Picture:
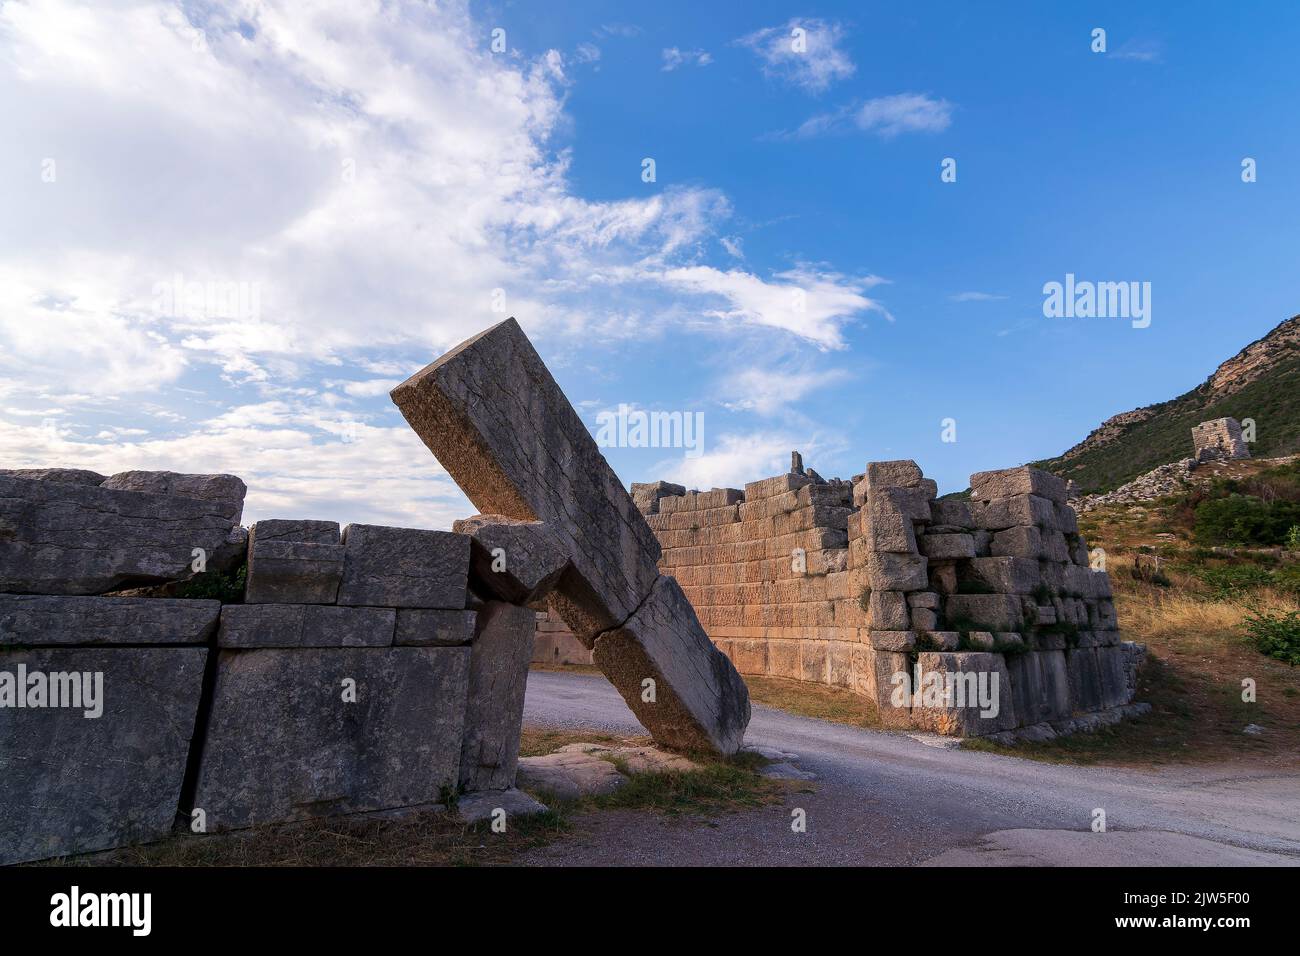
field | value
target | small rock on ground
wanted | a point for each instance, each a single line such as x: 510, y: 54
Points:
x: 483, y: 804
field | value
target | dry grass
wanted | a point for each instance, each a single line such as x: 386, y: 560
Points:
x: 814, y: 700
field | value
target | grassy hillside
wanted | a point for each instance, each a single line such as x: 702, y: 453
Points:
x: 1262, y: 382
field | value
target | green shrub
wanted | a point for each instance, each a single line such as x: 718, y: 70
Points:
x: 1245, y: 519
x: 1293, y: 538
x: 1230, y: 581
x: 1276, y: 635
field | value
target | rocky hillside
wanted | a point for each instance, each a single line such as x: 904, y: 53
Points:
x: 1261, y: 382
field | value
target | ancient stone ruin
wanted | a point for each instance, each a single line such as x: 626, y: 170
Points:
x: 363, y: 669
x: 874, y: 584
x: 1219, y: 440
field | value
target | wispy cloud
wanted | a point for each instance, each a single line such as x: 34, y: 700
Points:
x: 976, y: 297
x: 1141, y: 51
x: 884, y: 116
x: 807, y: 54
x: 674, y: 57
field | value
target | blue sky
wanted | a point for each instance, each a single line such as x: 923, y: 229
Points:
x: 383, y: 181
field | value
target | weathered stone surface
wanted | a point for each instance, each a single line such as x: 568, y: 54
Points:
x: 516, y: 561
x: 1004, y: 575
x: 430, y: 627
x: 946, y: 547
x: 923, y: 599
x: 897, y: 572
x: 495, y: 418
x: 226, y: 490
x: 67, y: 476
x: 497, y: 421
x: 646, y: 495
x: 1040, y: 686
x: 498, y: 674
x: 58, y: 538
x: 952, y: 512
x: 305, y: 625
x: 1009, y: 512
x: 284, y: 744
x: 892, y: 672
x: 294, y: 562
x: 981, y: 701
x: 700, y: 700
x: 887, y: 611
x: 887, y: 530
x: 570, y: 774
x: 886, y: 474
x: 1006, y: 482
x: 924, y: 619
x: 38, y: 620
x: 992, y: 612
x: 944, y: 640
x: 912, y: 503
x: 403, y: 567
x: 72, y: 784
x: 489, y: 804
x: 900, y: 641
x: 1098, y: 677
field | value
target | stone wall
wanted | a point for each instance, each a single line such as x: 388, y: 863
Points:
x: 362, y: 671
x: 863, y: 585
x: 1220, y: 439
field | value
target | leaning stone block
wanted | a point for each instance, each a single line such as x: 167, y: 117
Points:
x: 73, y: 784
x: 58, y: 538
x: 295, y: 734
x: 429, y: 627
x: 696, y: 696
x: 36, y: 620
x: 1006, y: 482
x: 305, y: 625
x: 497, y: 421
x: 498, y: 674
x: 294, y: 562
x: 495, y: 418
x: 403, y: 567
x: 516, y: 561
x: 965, y: 694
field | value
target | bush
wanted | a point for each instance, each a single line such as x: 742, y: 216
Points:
x: 1245, y: 520
x: 1276, y: 635
x: 228, y: 588
x: 1293, y: 538
x: 1230, y: 581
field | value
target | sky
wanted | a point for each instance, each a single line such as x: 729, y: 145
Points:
x: 228, y: 229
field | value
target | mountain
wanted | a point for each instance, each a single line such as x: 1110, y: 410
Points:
x: 1261, y: 382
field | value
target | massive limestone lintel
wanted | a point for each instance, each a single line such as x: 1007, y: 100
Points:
x: 491, y: 413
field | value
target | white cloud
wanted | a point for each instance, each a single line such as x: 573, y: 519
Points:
x: 674, y: 57
x: 734, y: 245
x: 735, y: 458
x: 811, y: 62
x: 976, y: 297
x: 885, y: 116
x: 768, y: 391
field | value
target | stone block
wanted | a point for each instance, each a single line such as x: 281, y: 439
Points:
x: 1008, y: 482
x: 991, y: 612
x: 295, y: 734
x: 66, y: 476
x: 699, y: 699
x: 886, y: 530
x: 403, y: 567
x: 40, y: 620
x: 887, y: 611
x: 430, y: 627
x: 1040, y: 686
x: 897, y: 572
x: 924, y: 619
x: 305, y: 625
x: 946, y: 547
x: 74, y: 784
x: 516, y: 561
x: 951, y: 512
x: 943, y: 640
x: 226, y: 490
x: 1004, y: 513
x: 58, y: 538
x: 294, y: 562
x: 1004, y: 575
x: 923, y: 599
x: 646, y: 496
x: 966, y: 694
x: 900, y: 641
x: 498, y: 674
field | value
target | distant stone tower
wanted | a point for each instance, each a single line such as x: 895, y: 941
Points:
x: 1219, y: 439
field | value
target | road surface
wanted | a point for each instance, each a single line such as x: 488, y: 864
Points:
x: 888, y: 799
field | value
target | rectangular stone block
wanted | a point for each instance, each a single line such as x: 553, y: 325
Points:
x: 428, y: 627
x: 1004, y: 575
x: 952, y: 512
x: 887, y: 611
x: 498, y: 674
x: 294, y: 562
x: 58, y: 538
x: 776, y: 485
x: 976, y: 697
x: 1007, y: 482
x: 991, y: 612
x: 295, y: 734
x: 1040, y: 685
x: 897, y: 572
x: 404, y: 567
x: 946, y: 547
x: 74, y: 784
x: 698, y: 694
x: 891, y: 670
x: 900, y: 641
x: 305, y: 625
x: 887, y: 531
x: 1009, y: 512
x: 40, y: 620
